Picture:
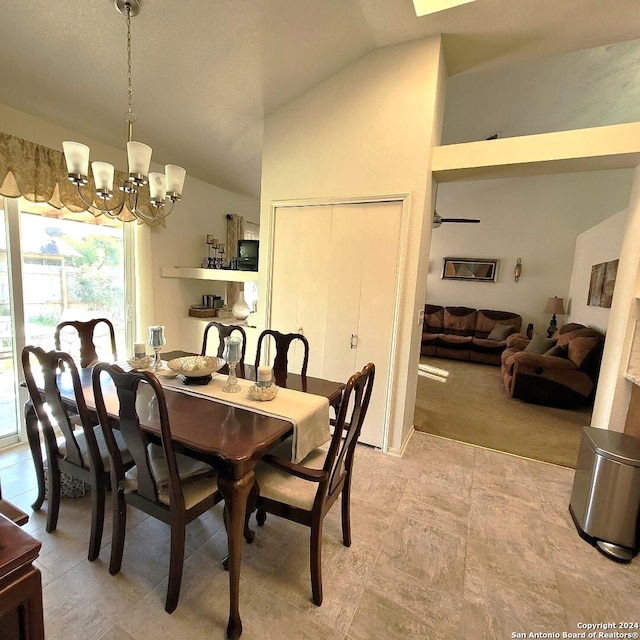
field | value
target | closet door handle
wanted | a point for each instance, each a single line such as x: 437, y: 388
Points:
x: 354, y: 340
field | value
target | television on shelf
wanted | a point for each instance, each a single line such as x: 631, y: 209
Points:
x: 248, y: 255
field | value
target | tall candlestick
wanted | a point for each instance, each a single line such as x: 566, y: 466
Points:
x: 157, y: 341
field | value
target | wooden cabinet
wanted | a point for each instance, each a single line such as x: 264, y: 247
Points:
x: 335, y: 275
x: 21, y: 615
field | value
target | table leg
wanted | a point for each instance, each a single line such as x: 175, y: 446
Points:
x: 33, y: 436
x: 235, y: 494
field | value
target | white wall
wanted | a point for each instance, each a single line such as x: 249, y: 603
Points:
x: 612, y: 396
x: 535, y: 218
x: 182, y: 243
x: 367, y: 131
x: 601, y: 243
x: 201, y: 211
x: 576, y: 90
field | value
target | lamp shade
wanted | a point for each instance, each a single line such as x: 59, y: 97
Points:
x: 139, y: 156
x: 157, y: 186
x: 103, y: 175
x: 76, y: 155
x: 555, y: 305
x: 175, y: 178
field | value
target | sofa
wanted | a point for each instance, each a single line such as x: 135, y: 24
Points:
x: 464, y: 333
x: 557, y: 372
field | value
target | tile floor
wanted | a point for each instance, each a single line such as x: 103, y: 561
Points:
x: 449, y: 542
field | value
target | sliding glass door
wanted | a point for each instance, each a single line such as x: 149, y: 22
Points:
x: 55, y: 265
x: 8, y: 399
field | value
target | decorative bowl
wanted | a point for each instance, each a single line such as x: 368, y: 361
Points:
x: 263, y: 393
x: 196, y: 366
x: 140, y: 363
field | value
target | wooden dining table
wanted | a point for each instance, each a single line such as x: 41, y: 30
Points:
x: 231, y: 439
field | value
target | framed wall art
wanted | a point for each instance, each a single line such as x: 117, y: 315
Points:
x: 472, y: 269
x: 602, y: 283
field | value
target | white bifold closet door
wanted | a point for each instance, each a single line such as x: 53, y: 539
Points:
x: 335, y: 274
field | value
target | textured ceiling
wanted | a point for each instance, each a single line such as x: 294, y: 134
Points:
x: 207, y: 71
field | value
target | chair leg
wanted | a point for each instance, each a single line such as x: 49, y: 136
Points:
x: 97, y: 517
x: 346, y: 514
x: 261, y: 517
x: 54, y: 496
x: 119, y: 527
x: 252, y: 500
x: 176, y: 564
x: 315, y: 557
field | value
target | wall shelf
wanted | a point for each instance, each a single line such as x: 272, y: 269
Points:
x: 221, y: 275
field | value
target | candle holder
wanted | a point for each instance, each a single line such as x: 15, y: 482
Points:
x: 157, y: 340
x: 209, y: 262
x: 232, y: 354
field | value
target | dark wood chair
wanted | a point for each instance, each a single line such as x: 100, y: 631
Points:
x: 81, y: 452
x: 305, y: 492
x: 86, y: 333
x: 167, y: 485
x: 283, y: 342
x: 224, y: 331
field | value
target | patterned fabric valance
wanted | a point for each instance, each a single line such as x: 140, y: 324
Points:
x: 39, y: 174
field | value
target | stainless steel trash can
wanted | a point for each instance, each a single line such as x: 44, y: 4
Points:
x: 605, y: 499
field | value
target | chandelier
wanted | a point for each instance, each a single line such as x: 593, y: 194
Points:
x: 162, y: 186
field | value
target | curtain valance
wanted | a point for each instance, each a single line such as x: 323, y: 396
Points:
x: 39, y: 174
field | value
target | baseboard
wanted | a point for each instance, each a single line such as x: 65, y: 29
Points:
x: 392, y: 451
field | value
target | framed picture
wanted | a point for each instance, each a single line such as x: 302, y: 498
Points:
x: 602, y: 283
x: 474, y: 269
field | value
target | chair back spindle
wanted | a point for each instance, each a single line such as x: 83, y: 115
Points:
x: 354, y: 405
x: 86, y: 331
x: 50, y: 363
x: 224, y: 331
x: 282, y: 342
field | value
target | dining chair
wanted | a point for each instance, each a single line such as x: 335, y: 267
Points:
x: 224, y: 331
x: 282, y: 343
x: 305, y: 492
x: 86, y: 331
x: 81, y: 452
x: 167, y: 485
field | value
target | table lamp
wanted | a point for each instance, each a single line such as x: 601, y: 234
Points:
x: 554, y: 305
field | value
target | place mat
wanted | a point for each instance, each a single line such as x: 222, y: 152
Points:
x: 307, y: 412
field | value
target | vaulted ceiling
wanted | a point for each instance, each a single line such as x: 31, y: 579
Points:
x: 207, y: 71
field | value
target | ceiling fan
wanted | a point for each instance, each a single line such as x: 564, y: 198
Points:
x: 438, y: 220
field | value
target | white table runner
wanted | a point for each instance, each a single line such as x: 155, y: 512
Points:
x: 308, y: 413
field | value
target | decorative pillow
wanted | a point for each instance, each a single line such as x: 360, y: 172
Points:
x: 70, y: 487
x: 500, y: 332
x: 559, y: 351
x: 540, y: 344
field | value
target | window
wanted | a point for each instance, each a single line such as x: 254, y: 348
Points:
x: 55, y: 265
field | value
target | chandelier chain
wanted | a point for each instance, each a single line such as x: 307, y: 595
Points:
x: 131, y: 115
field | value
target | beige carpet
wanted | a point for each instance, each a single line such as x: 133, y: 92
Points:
x: 473, y: 406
